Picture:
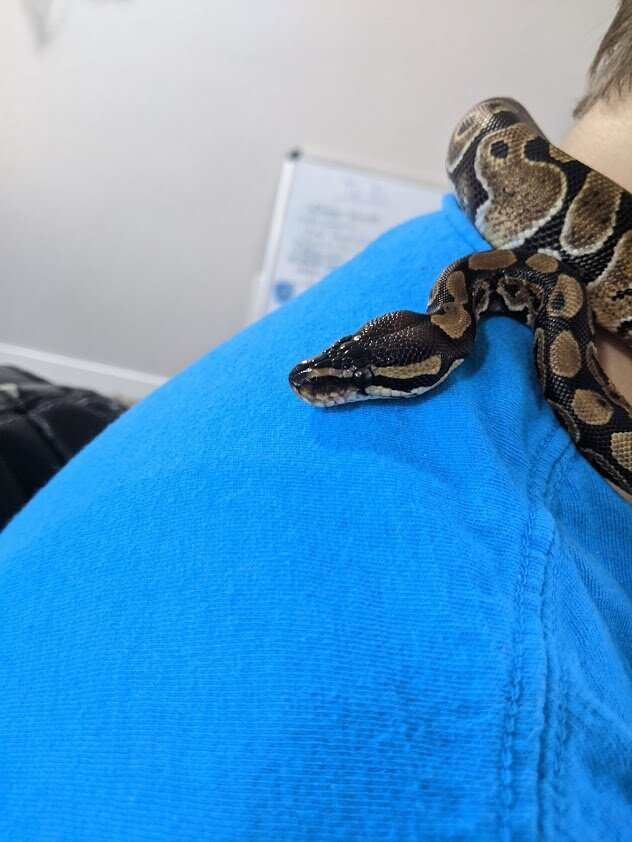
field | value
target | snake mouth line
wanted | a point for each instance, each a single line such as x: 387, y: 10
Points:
x: 321, y: 387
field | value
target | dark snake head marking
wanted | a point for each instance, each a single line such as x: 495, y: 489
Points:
x: 340, y: 374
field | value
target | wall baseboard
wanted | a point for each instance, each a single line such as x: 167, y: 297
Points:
x: 110, y: 380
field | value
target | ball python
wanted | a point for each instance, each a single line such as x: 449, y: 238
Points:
x: 561, y: 262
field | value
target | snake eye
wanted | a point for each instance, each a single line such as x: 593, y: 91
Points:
x: 362, y: 378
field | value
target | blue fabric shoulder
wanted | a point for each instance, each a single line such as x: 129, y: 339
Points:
x: 234, y: 616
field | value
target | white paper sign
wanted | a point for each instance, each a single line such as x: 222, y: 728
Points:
x: 324, y: 214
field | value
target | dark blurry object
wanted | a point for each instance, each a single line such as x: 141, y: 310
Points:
x: 46, y: 17
x: 42, y: 426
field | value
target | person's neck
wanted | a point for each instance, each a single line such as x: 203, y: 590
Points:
x: 601, y: 139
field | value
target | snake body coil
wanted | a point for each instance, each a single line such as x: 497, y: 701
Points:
x: 562, y: 261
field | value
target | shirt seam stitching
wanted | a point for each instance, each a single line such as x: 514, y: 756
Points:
x: 527, y: 554
x: 554, y: 719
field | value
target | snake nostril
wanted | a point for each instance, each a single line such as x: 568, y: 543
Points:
x: 298, y: 376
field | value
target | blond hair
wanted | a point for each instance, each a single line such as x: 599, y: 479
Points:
x: 610, y: 74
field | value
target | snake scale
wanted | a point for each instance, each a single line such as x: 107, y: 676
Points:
x: 561, y: 262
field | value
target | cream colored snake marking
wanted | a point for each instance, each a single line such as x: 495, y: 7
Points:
x: 562, y: 261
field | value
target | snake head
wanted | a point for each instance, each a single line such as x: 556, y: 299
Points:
x: 341, y: 374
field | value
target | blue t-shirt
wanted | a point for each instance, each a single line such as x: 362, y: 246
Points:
x: 235, y: 616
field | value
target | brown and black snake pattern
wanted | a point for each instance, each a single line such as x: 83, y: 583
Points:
x: 562, y: 261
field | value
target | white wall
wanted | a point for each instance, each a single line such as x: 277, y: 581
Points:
x: 140, y: 149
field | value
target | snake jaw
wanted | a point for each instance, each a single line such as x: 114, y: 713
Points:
x: 323, y: 386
